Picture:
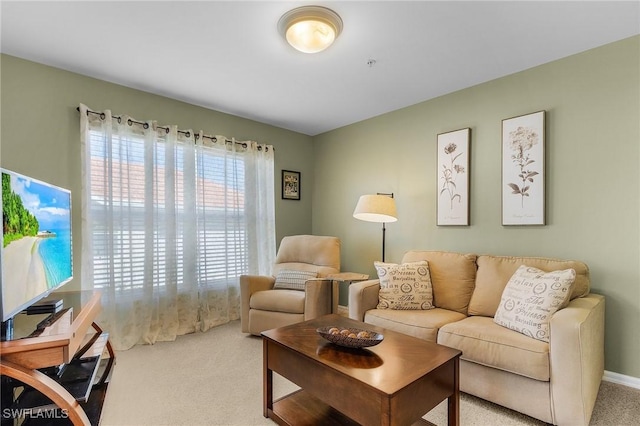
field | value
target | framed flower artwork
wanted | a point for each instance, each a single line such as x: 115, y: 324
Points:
x: 453, y: 177
x: 523, y: 173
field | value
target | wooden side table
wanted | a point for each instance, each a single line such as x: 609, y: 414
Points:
x: 338, y: 280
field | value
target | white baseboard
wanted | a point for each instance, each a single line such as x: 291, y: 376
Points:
x: 621, y: 379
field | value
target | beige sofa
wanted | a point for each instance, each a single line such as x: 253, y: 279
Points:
x: 556, y: 382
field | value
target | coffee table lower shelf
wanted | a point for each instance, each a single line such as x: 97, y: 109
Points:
x: 302, y: 408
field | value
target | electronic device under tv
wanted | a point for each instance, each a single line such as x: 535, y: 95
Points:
x: 37, y: 252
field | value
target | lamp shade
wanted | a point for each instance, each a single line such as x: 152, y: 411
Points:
x: 376, y: 208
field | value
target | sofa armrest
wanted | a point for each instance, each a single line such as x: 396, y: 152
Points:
x: 250, y: 284
x: 363, y: 296
x: 576, y: 350
x: 318, y: 299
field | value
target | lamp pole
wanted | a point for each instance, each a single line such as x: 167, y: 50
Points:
x: 384, y: 230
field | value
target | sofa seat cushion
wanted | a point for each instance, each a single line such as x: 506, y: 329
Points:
x: 417, y: 323
x: 288, y: 301
x: 484, y: 342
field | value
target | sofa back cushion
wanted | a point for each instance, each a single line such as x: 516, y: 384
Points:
x: 495, y: 271
x: 453, y: 277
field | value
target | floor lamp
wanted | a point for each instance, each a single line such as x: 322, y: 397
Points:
x: 377, y: 208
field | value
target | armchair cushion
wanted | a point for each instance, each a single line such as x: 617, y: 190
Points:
x: 289, y: 301
x: 293, y: 280
x: 309, y: 253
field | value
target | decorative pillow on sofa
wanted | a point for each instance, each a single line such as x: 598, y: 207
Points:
x: 531, y: 297
x: 293, y: 280
x: 404, y: 286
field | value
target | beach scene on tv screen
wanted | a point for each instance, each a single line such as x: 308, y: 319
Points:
x: 36, y: 238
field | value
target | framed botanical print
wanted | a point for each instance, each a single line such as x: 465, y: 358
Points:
x: 453, y: 177
x: 290, y: 185
x: 523, y: 170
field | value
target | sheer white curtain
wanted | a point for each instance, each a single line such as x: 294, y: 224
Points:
x: 171, y: 219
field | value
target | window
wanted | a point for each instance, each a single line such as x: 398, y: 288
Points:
x: 170, y: 222
x: 152, y: 205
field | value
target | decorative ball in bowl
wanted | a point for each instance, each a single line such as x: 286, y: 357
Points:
x: 350, y: 337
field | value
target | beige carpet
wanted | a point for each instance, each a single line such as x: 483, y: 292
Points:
x: 215, y: 378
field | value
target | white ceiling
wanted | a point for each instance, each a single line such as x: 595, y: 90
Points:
x: 228, y: 55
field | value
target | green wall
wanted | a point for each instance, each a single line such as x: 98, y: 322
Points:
x: 592, y: 157
x: 40, y: 134
x: 592, y: 102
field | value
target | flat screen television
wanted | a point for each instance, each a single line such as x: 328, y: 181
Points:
x: 37, y: 253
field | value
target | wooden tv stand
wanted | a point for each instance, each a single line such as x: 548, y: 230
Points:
x: 59, y: 361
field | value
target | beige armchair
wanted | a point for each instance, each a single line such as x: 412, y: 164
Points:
x: 265, y: 307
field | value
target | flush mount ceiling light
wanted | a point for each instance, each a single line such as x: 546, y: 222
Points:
x: 310, y: 29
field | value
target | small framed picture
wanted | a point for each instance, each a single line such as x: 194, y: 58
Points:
x: 453, y: 177
x: 523, y: 176
x: 290, y: 185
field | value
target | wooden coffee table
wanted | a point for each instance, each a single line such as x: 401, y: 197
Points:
x: 393, y: 383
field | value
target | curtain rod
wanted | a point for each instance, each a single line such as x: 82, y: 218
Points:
x: 184, y: 132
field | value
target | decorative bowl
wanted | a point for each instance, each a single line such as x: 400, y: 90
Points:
x: 345, y: 336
